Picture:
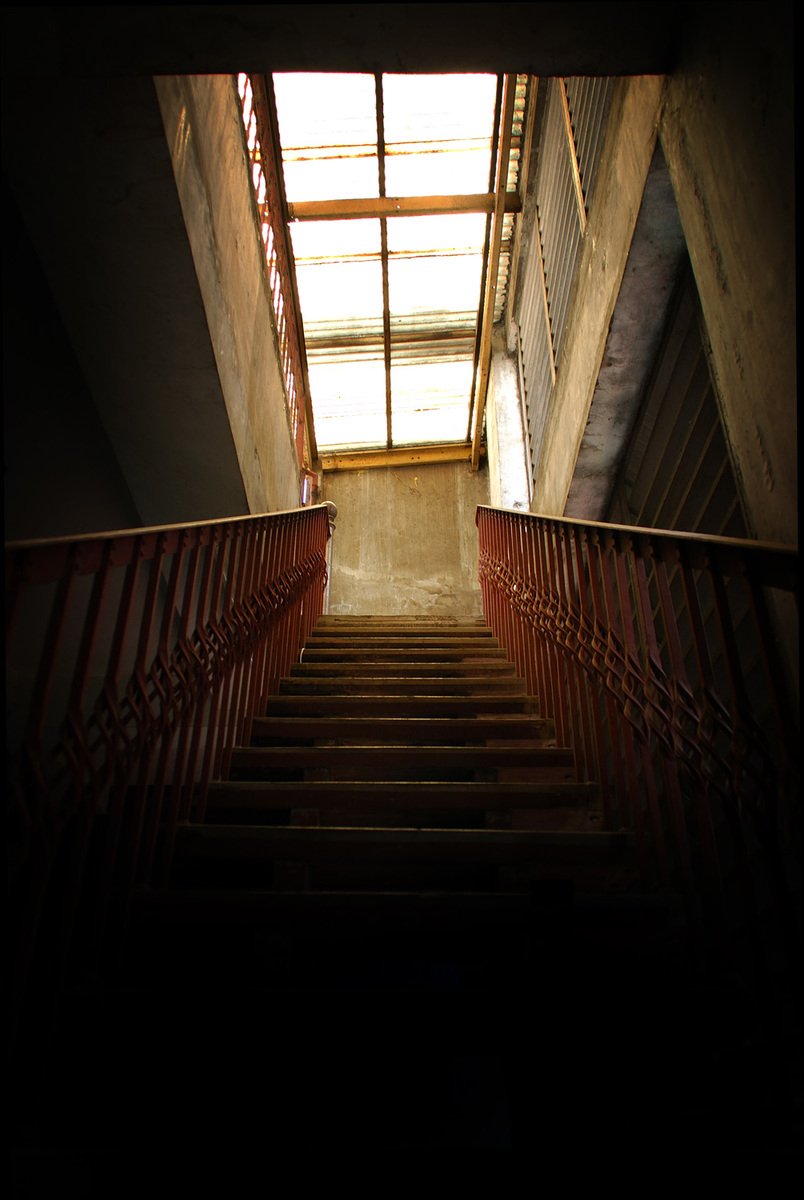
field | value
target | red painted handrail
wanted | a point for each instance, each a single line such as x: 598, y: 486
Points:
x: 136, y: 661
x: 661, y: 658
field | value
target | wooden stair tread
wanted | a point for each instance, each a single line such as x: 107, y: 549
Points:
x: 399, y: 670
x: 241, y: 795
x: 370, y: 756
x: 418, y: 685
x: 326, y: 647
x: 337, y: 841
x: 401, y: 705
x: 410, y: 728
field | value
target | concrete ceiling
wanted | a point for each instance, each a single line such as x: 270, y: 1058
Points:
x: 542, y: 39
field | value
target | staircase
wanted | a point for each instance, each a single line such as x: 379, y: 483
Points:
x: 402, y: 922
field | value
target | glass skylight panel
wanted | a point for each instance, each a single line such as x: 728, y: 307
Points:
x: 349, y: 404
x: 441, y: 285
x: 436, y: 235
x: 438, y: 133
x: 430, y: 402
x: 328, y: 130
x: 339, y: 277
x: 344, y: 295
x: 330, y: 241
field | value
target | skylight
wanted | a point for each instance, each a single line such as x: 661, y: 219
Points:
x: 390, y: 294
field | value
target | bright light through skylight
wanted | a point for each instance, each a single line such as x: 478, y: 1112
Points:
x: 438, y: 134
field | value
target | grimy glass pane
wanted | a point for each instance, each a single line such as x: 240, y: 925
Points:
x: 328, y: 131
x: 430, y: 402
x: 344, y: 293
x: 443, y: 284
x: 438, y: 133
x: 437, y: 235
x: 349, y: 404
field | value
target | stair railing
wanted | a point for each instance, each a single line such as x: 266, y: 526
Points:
x: 663, y: 659
x: 136, y: 661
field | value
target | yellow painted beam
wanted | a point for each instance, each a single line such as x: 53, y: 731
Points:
x: 400, y: 456
x: 573, y: 153
x: 398, y: 206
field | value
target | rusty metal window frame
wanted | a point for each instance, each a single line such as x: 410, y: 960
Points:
x: 259, y: 126
x: 498, y: 204
x: 573, y: 119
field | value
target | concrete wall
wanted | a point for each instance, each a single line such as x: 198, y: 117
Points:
x: 727, y: 131
x: 508, y: 466
x: 61, y: 475
x: 627, y: 152
x: 104, y: 219
x: 405, y: 539
x: 203, y: 129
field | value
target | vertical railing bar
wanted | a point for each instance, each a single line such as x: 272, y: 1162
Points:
x: 259, y: 618
x: 558, y: 567
x: 587, y: 619
x: 543, y: 599
x: 219, y: 545
x: 118, y: 744
x: 655, y: 677
x: 619, y: 597
x: 162, y: 676
x: 199, y: 644
x: 237, y: 619
x: 608, y: 609
x: 139, y: 686
x: 50, y: 650
x: 559, y: 689
x: 187, y: 701
x: 249, y: 628
x: 583, y: 692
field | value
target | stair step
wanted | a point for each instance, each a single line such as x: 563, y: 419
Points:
x: 328, y: 704
x: 445, y: 730
x: 551, y: 901
x: 400, y: 670
x: 325, y: 843
x: 381, y: 758
x: 354, y: 647
x: 262, y: 795
x: 398, y: 627
x: 475, y: 686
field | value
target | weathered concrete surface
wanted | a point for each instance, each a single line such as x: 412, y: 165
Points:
x: 103, y: 216
x: 625, y: 160
x: 505, y: 434
x: 651, y: 271
x: 61, y: 475
x: 727, y: 130
x: 203, y: 129
x: 405, y: 539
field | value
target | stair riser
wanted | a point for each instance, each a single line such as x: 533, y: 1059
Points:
x: 372, y: 797
x: 391, y: 648
x: 400, y: 706
x: 381, y: 758
x: 410, y: 730
x: 469, y: 686
x: 398, y: 670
